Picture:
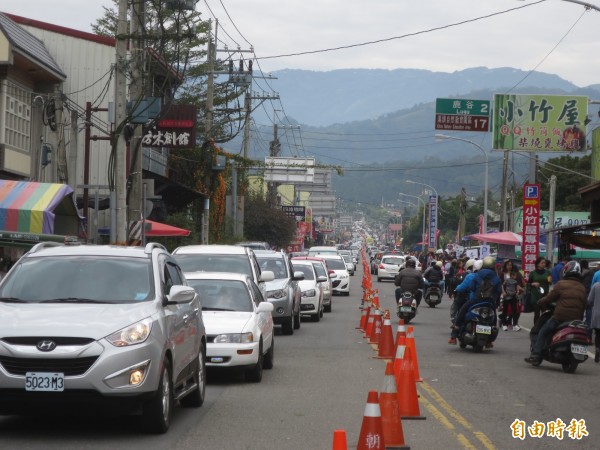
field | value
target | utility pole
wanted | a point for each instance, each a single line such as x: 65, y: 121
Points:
x: 274, y: 149
x: 136, y: 93
x: 550, y: 242
x: 119, y: 147
x: 504, y: 191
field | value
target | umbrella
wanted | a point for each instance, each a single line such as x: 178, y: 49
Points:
x: 162, y: 229
x: 502, y: 237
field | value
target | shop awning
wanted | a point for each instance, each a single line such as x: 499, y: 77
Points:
x: 155, y: 229
x: 502, y: 237
x: 39, y: 208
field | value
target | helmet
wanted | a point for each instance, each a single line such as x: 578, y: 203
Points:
x: 477, y: 265
x: 572, y: 268
x: 439, y: 264
x: 489, y: 262
x: 410, y: 263
x: 469, y: 264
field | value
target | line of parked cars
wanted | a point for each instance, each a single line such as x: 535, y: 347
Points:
x: 135, y: 328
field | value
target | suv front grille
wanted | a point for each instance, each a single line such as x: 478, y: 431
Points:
x: 68, y: 366
x: 33, y: 340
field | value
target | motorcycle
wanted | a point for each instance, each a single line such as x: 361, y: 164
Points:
x: 433, y: 295
x: 480, y: 326
x: 567, y: 346
x: 407, y: 307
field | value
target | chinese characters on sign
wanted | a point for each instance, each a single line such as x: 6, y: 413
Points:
x: 556, y: 429
x: 462, y: 114
x: 539, y: 122
x: 303, y: 226
x: 531, y: 227
x: 432, y: 222
x: 176, y: 128
x: 156, y: 138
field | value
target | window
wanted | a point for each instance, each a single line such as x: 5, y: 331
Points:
x: 17, y: 117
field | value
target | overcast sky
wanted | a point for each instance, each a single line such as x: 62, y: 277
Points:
x: 524, y: 38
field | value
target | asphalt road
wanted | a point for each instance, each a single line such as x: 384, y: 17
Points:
x: 320, y: 382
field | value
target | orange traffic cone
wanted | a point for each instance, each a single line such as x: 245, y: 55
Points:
x: 410, y: 343
x: 400, y: 354
x: 407, y: 388
x: 374, y: 338
x: 401, y: 331
x: 393, y: 434
x: 370, y: 320
x: 363, y: 319
x: 339, y: 440
x: 371, y: 431
x: 386, y: 340
x: 376, y: 298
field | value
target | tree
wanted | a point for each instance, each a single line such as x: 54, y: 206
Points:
x: 572, y: 173
x: 263, y: 223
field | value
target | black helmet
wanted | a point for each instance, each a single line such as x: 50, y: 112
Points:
x: 410, y: 263
x: 572, y: 268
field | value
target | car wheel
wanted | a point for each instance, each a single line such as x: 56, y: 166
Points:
x: 195, y: 398
x: 316, y: 317
x: 270, y: 356
x: 328, y: 307
x: 254, y: 374
x: 321, y: 311
x: 298, y: 321
x: 157, y: 412
x: 288, y: 326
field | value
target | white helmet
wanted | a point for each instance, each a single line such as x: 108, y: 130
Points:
x: 469, y: 263
x: 477, y: 265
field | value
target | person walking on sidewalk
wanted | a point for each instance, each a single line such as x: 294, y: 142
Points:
x: 510, y: 301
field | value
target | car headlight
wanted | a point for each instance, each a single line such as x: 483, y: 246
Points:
x: 234, y: 338
x: 280, y: 293
x: 309, y: 293
x: 131, y: 335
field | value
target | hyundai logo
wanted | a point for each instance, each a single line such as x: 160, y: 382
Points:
x: 46, y: 345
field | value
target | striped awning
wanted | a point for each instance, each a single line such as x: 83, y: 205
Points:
x: 31, y: 207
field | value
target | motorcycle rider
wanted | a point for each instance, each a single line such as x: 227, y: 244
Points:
x: 571, y: 300
x: 483, y: 270
x: 409, y: 279
x: 461, y: 298
x: 434, y: 275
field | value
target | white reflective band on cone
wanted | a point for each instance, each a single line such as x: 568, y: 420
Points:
x: 389, y: 385
x: 372, y: 410
x: 400, y: 351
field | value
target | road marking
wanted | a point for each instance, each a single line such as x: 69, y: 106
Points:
x: 456, y: 415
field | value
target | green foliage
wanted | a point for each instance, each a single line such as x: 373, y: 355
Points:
x: 567, y: 182
x: 264, y: 223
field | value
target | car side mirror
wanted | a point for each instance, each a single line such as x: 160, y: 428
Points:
x: 264, y: 307
x: 322, y: 279
x: 267, y: 275
x: 298, y: 276
x: 180, y: 294
x: 332, y: 274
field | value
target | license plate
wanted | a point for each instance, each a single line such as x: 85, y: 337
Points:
x: 579, y: 349
x: 44, y: 381
x: 433, y: 297
x: 405, y: 309
x: 483, y: 329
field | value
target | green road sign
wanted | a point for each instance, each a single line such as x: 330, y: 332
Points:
x: 459, y: 114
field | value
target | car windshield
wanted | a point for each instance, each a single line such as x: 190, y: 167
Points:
x: 396, y: 260
x: 336, y: 264
x: 89, y: 279
x: 308, y: 272
x: 214, y: 263
x: 347, y: 258
x: 222, y: 295
x: 319, y: 269
x: 275, y: 265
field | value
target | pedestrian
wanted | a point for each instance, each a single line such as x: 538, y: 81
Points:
x: 510, y: 300
x: 594, y: 303
x: 538, y: 284
x: 558, y: 269
x: 586, y: 279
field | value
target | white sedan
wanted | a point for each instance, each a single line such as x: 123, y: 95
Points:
x: 389, y: 266
x: 238, y: 322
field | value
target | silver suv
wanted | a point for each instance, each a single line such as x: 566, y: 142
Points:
x: 116, y: 326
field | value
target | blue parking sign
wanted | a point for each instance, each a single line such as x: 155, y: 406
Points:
x: 531, y: 191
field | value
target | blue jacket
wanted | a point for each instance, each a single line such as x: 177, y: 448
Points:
x: 473, y: 280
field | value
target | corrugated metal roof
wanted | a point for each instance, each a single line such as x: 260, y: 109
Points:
x: 29, y: 45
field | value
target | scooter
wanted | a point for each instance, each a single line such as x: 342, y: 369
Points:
x: 407, y: 307
x: 480, y: 326
x: 433, y: 295
x: 567, y: 346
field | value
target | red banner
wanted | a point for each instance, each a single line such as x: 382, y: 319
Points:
x: 531, y: 227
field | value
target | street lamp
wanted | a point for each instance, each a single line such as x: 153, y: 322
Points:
x: 423, y: 232
x: 436, y: 209
x: 485, y: 192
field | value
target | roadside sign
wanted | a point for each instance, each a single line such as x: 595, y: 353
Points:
x: 453, y: 114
